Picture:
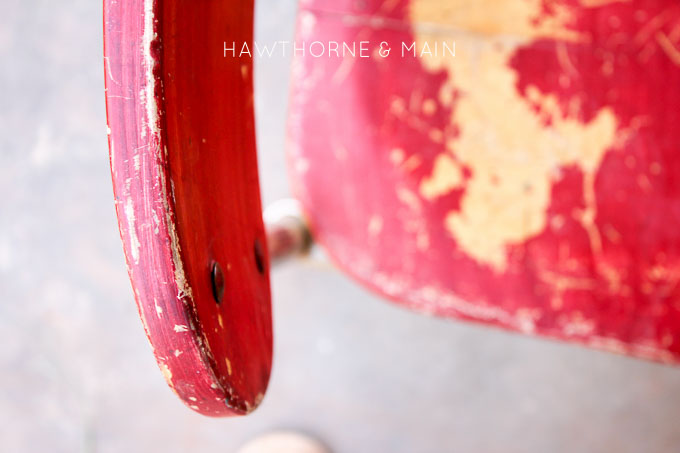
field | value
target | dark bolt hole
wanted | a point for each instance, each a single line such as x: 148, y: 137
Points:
x: 217, y: 277
x: 259, y: 256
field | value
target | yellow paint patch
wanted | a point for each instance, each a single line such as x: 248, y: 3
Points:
x: 598, y: 3
x: 497, y: 19
x: 513, y: 156
x: 446, y: 176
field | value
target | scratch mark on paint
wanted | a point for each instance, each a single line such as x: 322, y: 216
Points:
x: 668, y: 47
x: 159, y: 309
x: 132, y: 231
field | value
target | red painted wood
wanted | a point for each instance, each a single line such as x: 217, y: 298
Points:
x: 555, y: 212
x: 184, y: 169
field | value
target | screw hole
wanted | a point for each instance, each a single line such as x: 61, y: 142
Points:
x: 218, y: 283
x: 259, y: 256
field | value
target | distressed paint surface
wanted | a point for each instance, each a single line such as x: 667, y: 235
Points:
x: 184, y: 172
x: 529, y: 182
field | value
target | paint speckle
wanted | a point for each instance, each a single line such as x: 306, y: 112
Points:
x: 375, y: 225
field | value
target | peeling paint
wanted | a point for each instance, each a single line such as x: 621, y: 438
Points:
x: 132, y: 230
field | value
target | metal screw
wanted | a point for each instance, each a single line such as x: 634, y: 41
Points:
x: 259, y: 256
x: 218, y: 282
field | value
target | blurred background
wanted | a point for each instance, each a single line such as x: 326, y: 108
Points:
x: 77, y: 374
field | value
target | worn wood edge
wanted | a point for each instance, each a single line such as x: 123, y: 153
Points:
x: 421, y: 302
x: 139, y: 160
x: 458, y: 309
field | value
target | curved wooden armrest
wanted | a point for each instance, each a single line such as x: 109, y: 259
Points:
x: 184, y: 169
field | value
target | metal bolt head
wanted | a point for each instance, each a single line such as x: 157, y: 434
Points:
x: 258, y: 251
x: 218, y: 282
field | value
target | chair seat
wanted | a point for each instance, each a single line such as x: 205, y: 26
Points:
x: 528, y: 182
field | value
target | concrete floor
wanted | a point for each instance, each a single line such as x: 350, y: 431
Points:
x: 77, y: 375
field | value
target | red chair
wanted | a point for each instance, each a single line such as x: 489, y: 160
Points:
x: 512, y: 163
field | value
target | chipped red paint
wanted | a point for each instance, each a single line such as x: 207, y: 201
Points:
x: 184, y: 170
x: 621, y: 294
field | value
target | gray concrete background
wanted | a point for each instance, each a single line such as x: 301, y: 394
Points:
x: 76, y: 373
